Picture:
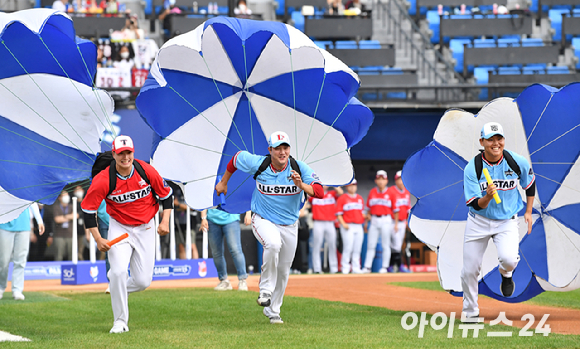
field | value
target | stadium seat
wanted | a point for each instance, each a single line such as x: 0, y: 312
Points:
x: 456, y: 46
x: 576, y: 44
x: 298, y: 19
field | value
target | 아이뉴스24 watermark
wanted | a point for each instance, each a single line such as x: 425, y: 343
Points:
x: 439, y: 320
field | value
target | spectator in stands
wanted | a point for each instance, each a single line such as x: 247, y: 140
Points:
x: 131, y: 30
x: 100, y: 57
x: 82, y: 244
x: 60, y: 5
x: 355, y: 4
x: 15, y: 240
x: 335, y: 7
x: 165, y: 17
x: 38, y: 240
x: 221, y: 224
x: 180, y: 211
x: 63, y: 218
x: 350, y: 207
x: 123, y: 59
x: 242, y: 8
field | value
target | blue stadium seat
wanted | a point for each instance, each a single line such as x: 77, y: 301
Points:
x: 369, y: 44
x: 434, y: 22
x: 481, y: 75
x: 558, y: 70
x: 346, y: 44
x: 324, y: 44
x: 555, y: 16
x: 148, y: 6
x: 298, y: 19
x: 532, y: 42
x: 576, y: 44
x: 456, y: 46
x: 280, y: 9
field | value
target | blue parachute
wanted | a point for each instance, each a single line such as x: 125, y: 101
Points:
x: 230, y: 83
x: 543, y: 125
x: 51, y: 118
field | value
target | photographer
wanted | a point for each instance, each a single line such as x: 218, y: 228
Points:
x: 131, y: 29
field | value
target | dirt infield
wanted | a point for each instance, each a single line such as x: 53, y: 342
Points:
x: 371, y: 290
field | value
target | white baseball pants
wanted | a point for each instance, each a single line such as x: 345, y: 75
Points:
x: 324, y: 231
x: 397, y: 236
x: 352, y: 240
x: 279, y: 242
x: 478, y: 231
x: 139, y: 250
x: 383, y: 226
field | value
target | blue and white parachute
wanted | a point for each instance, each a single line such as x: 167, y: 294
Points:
x: 543, y: 125
x: 51, y: 118
x: 227, y: 85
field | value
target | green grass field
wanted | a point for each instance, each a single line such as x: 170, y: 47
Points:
x: 203, y: 318
x: 553, y: 299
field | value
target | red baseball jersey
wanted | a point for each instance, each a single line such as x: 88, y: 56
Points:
x: 351, y: 208
x: 132, y: 202
x: 379, y: 204
x: 324, y: 209
x: 401, y: 200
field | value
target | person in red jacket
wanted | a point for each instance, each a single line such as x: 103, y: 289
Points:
x: 132, y: 206
x: 324, y: 215
x: 350, y: 208
x: 379, y: 214
x: 401, y: 199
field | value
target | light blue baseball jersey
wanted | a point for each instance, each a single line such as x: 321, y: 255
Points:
x: 506, y: 181
x: 275, y: 197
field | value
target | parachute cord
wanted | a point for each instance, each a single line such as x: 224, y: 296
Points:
x: 206, y: 119
x: 46, y: 146
x: 294, y: 104
x: 327, y: 157
x: 246, y: 87
x: 314, y: 116
x: 55, y: 195
x: 225, y: 105
x: 31, y: 78
x: 43, y: 184
x: 327, y: 130
x: 555, y: 139
x: 41, y: 165
x: 195, y: 146
x: 98, y: 97
x: 76, y: 88
x: 540, y: 118
x: 238, y: 187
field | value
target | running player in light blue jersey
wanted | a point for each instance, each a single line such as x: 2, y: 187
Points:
x: 487, y: 219
x: 276, y: 203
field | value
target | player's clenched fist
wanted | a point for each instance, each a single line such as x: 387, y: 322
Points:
x: 491, y: 190
x: 103, y: 245
x: 221, y: 187
x: 163, y: 228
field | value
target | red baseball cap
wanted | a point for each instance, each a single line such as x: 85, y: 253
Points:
x: 382, y: 174
x: 122, y: 143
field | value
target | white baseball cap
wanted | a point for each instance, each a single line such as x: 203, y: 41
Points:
x: 278, y: 138
x: 382, y: 174
x: 122, y: 143
x: 398, y: 174
x: 491, y: 129
x: 353, y: 182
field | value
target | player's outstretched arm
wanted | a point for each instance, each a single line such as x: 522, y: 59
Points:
x: 163, y: 228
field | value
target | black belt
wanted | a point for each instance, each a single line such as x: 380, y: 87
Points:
x: 382, y: 215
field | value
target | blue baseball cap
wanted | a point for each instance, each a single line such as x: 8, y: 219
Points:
x: 491, y: 129
x: 278, y: 138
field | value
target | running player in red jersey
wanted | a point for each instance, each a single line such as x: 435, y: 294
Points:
x: 132, y: 207
x: 401, y: 200
x: 324, y: 215
x: 379, y: 214
x: 350, y: 208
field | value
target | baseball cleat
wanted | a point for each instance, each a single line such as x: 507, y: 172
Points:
x: 507, y: 286
x: 242, y: 285
x: 1, y: 293
x: 470, y: 319
x: 404, y: 269
x: 224, y: 285
x: 18, y: 296
x: 383, y: 271
x: 119, y: 328
x: 108, y: 290
x: 276, y: 320
x: 366, y: 270
x: 264, y: 299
